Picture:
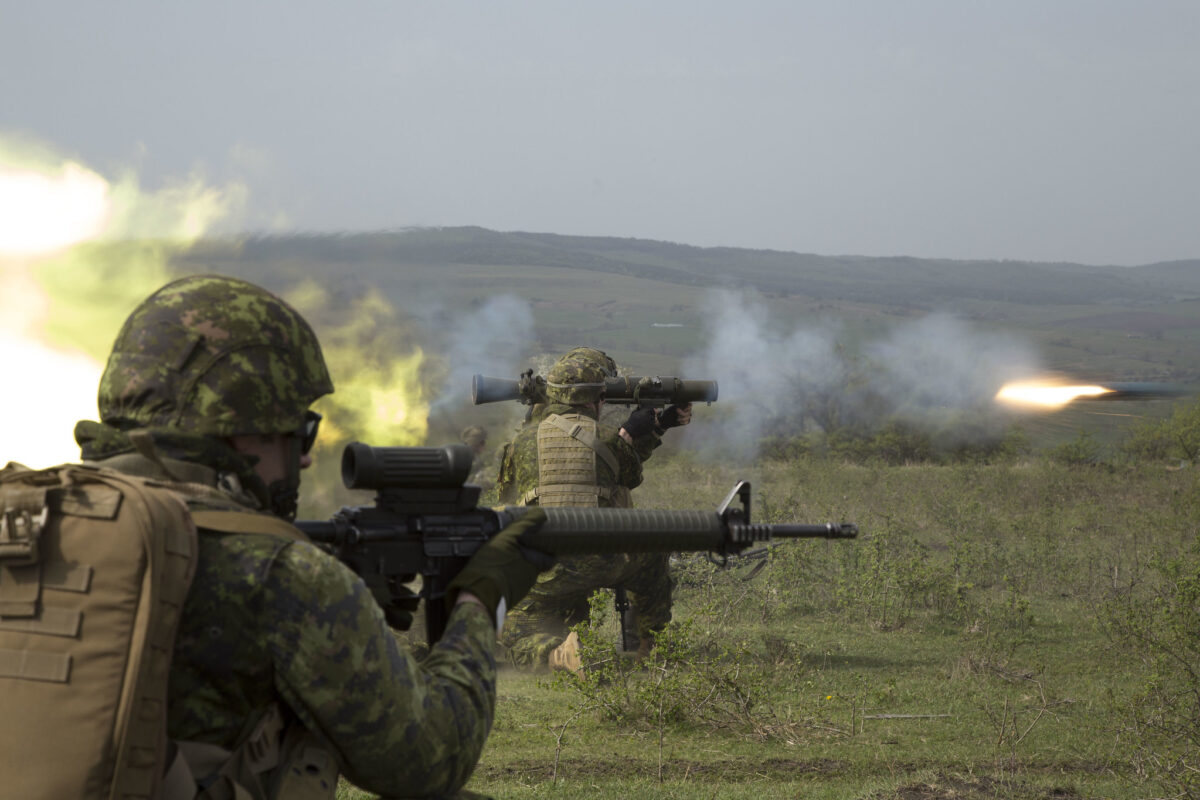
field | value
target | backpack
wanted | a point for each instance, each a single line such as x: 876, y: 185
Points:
x: 95, y: 566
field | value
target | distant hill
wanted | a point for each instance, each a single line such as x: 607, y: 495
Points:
x: 913, y: 282
x: 650, y: 304
x: 1133, y: 322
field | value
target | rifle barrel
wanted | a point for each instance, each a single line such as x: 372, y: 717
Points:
x: 580, y: 531
x: 830, y: 530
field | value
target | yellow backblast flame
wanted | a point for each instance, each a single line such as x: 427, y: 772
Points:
x: 77, y: 253
x: 42, y: 212
x: 380, y: 397
x: 1045, y: 394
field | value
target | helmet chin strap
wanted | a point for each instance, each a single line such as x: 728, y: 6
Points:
x: 283, y: 495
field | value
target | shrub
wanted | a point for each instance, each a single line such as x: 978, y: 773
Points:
x: 1158, y: 625
x: 1082, y: 450
x: 1176, y: 437
x: 895, y: 443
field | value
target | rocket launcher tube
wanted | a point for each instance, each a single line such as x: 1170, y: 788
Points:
x: 628, y: 390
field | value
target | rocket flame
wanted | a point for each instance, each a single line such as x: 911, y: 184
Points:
x: 1045, y: 394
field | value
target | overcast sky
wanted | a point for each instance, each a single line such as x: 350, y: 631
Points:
x: 1047, y: 130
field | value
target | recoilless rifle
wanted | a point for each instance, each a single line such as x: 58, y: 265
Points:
x: 426, y: 521
x: 654, y: 391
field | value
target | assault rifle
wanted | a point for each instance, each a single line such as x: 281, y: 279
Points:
x: 655, y: 391
x: 426, y: 521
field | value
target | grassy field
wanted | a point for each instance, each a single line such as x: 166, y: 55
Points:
x: 975, y: 641
x: 1025, y: 629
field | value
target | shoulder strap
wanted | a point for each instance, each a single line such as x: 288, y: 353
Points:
x: 585, y: 435
x: 230, y: 521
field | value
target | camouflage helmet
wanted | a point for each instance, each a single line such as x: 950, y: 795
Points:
x: 215, y: 356
x: 578, y: 377
x: 598, y: 357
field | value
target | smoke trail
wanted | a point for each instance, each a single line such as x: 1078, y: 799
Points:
x: 762, y: 372
x: 940, y: 362
x: 781, y: 381
x: 491, y: 339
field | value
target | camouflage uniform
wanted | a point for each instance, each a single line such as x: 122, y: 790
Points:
x: 272, y: 620
x: 483, y: 469
x: 560, y: 598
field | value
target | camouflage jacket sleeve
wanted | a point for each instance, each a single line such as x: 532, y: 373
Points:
x: 506, y: 477
x: 399, y: 727
x: 646, y: 444
x: 629, y: 456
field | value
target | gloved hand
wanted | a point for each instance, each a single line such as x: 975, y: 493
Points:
x: 641, y: 422
x: 503, y: 570
x: 399, y: 603
x: 674, y: 416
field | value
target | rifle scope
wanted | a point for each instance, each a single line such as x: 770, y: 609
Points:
x: 367, y: 467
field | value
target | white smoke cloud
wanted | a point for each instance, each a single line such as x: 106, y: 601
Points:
x: 778, y: 379
x: 759, y: 368
x: 492, y: 339
x: 941, y: 362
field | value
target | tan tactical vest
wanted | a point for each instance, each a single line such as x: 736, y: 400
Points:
x: 568, y: 452
x: 95, y: 566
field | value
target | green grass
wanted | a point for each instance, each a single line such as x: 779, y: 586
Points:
x: 985, y: 593
x: 955, y: 650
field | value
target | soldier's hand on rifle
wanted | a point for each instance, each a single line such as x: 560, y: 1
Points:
x: 399, y: 613
x: 503, y: 571
x: 673, y: 417
x: 640, y: 423
x: 397, y: 600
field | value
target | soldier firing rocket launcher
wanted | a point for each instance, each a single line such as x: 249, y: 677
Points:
x: 657, y: 392
x: 426, y: 522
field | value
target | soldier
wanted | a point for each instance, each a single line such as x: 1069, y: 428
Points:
x: 566, y: 457
x: 475, y: 437
x: 280, y: 646
x: 483, y: 470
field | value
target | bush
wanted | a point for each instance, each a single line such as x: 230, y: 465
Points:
x: 961, y: 439
x: 1158, y: 625
x: 1080, y: 451
x: 987, y: 448
x: 784, y: 448
x: 1176, y: 437
x: 896, y: 443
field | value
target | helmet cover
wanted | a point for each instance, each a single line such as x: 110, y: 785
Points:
x: 216, y: 356
x: 578, y: 377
